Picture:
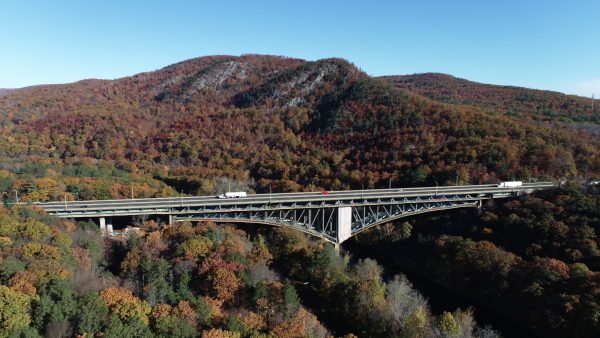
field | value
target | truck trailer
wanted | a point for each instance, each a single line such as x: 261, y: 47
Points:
x: 235, y: 194
x: 510, y: 184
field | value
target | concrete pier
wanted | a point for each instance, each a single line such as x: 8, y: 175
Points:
x: 106, y: 227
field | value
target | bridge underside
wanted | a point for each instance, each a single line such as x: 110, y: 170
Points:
x: 333, y: 223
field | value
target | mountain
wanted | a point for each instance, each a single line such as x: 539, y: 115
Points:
x: 267, y: 123
x: 4, y: 91
x: 540, y: 104
x: 287, y: 124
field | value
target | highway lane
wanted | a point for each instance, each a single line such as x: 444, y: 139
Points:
x: 188, y: 199
x: 175, y: 202
x: 273, y: 195
x: 316, y: 195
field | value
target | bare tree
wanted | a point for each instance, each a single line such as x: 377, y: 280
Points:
x: 59, y: 329
x: 226, y: 184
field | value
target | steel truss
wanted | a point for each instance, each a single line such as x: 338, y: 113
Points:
x: 321, y: 219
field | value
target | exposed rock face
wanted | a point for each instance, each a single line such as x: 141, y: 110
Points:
x: 304, y: 85
x: 216, y: 76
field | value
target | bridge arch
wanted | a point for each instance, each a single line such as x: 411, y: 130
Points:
x: 325, y: 223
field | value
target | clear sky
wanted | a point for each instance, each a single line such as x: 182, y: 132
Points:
x: 539, y: 44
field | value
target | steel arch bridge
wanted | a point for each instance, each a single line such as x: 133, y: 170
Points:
x: 333, y: 216
x: 333, y: 222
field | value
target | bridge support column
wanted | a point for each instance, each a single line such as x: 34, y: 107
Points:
x: 106, y: 227
x: 171, y: 220
x: 344, y: 224
x: 109, y: 227
x: 103, y: 226
x: 336, y: 247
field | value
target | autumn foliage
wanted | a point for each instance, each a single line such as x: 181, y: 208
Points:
x: 266, y: 123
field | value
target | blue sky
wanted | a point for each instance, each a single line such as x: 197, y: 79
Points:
x: 539, y: 44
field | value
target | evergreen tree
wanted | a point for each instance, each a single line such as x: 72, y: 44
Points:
x: 130, y: 328
x: 57, y: 302
x: 92, y: 313
x: 291, y: 301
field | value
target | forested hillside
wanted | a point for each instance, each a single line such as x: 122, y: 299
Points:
x: 263, y: 123
x: 4, y: 91
x: 268, y: 121
x: 516, y: 101
x: 61, y: 279
x: 534, y: 259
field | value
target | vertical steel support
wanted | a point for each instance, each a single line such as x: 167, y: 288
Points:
x: 364, y: 208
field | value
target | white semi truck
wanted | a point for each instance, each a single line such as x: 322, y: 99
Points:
x: 235, y: 194
x: 510, y: 184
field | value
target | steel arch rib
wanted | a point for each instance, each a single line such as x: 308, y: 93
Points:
x: 411, y: 213
x: 318, y: 234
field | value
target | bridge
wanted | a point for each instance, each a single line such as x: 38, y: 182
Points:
x: 333, y: 216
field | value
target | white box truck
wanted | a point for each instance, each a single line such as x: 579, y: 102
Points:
x: 510, y: 184
x: 235, y: 194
